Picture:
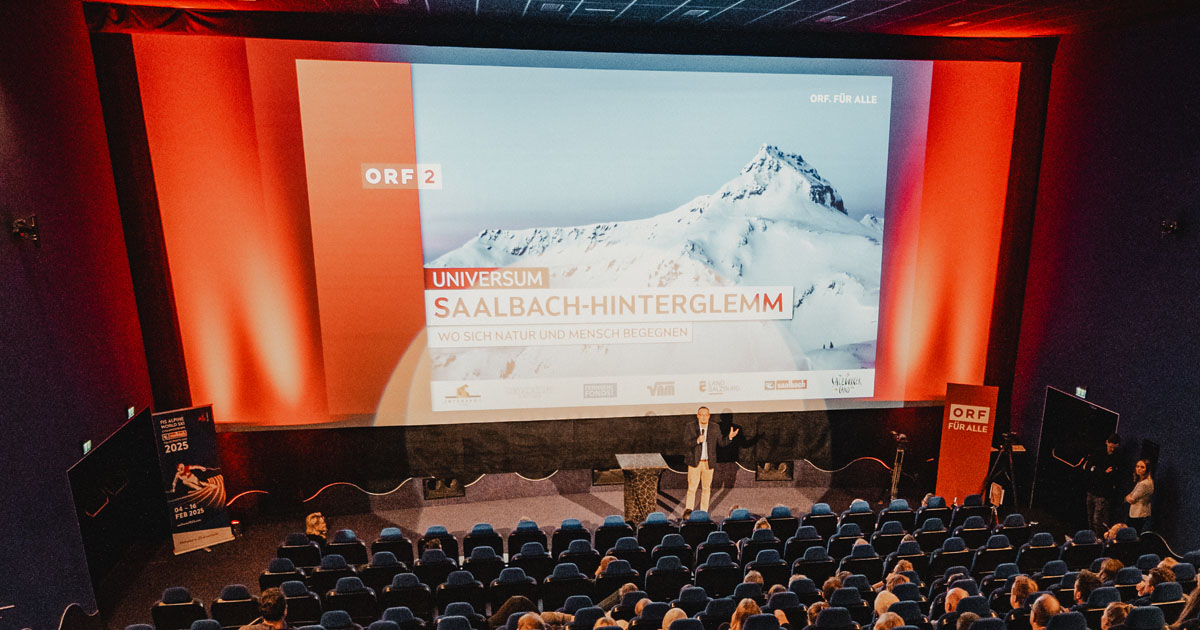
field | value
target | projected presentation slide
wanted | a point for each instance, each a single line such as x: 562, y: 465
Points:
x: 596, y: 236
x: 454, y: 235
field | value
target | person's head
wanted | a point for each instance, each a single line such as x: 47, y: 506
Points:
x: 745, y: 608
x: 1114, y: 615
x: 314, y: 524
x: 627, y: 588
x: 753, y: 577
x: 965, y: 620
x: 902, y: 566
x: 925, y: 499
x: 671, y: 616
x: 883, y: 601
x: 1112, y: 443
x: 762, y: 523
x: 889, y: 620
x: 1109, y: 569
x: 895, y: 580
x: 1043, y: 609
x: 1168, y: 563
x: 531, y: 621
x: 953, y: 596
x: 1023, y: 586
x: 702, y: 415
x: 180, y: 468
x: 433, y: 543
x: 1141, y: 470
x: 1191, y: 608
x: 272, y: 605
x: 637, y: 608
x: 605, y: 622
x: 775, y: 588
x: 1085, y: 583
x: 1157, y: 576
x: 604, y: 562
x: 814, y: 610
x: 832, y: 584
x: 686, y: 513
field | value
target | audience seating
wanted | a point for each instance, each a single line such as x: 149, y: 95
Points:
x: 303, y: 606
x: 338, y: 620
x: 346, y: 544
x: 719, y: 574
x: 352, y: 596
x: 860, y: 514
x: 534, y: 560
x: 511, y: 582
x: 674, y: 545
x: 650, y: 532
x: 806, y: 536
x: 931, y: 534
x: 759, y: 539
x: 300, y: 550
x: 1037, y: 552
x: 806, y: 590
x: 850, y: 599
x: 176, y: 610
x: 570, y: 529
x: 379, y: 572
x: 692, y: 600
x: 402, y: 617
x: 408, y: 591
x: 1126, y: 583
x: 651, y: 617
x: 623, y: 611
x: 1097, y: 601
x: 840, y: 543
x: 997, y: 551
x: 954, y: 552
x: 772, y: 566
x: 482, y: 535
x: 279, y: 570
x: 1168, y: 596
x: 484, y: 563
x: 460, y: 586
x: 393, y: 540
x: 235, y: 607
x: 466, y: 611
x: 525, y: 532
x: 697, y: 527
x: 739, y: 524
x: 565, y: 580
x: 816, y: 564
x: 1016, y: 529
x: 974, y: 532
x: 1081, y: 550
x: 789, y: 604
x: 717, y: 612
x: 580, y: 553
x: 887, y: 537
x: 716, y: 541
x: 835, y: 618
x: 972, y: 505
x: 613, y: 528
x: 783, y: 522
x: 821, y: 518
x: 586, y: 618
x: 911, y: 551
x: 628, y: 549
x: 448, y: 541
x: 333, y: 567
x: 664, y: 581
x: 618, y: 573
x: 898, y: 510
x: 201, y: 624
x: 934, y: 507
x: 749, y: 590
x: 864, y: 560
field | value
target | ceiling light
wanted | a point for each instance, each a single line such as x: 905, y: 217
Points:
x: 550, y: 7
x: 694, y: 13
x: 962, y: 23
x: 830, y: 18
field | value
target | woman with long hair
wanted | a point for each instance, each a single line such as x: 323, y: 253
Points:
x: 1188, y: 617
x: 1139, y: 498
x: 745, y: 608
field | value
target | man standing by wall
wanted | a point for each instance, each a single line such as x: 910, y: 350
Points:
x: 700, y: 456
x: 1102, y: 470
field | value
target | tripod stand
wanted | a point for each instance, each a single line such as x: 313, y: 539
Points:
x: 898, y: 463
x: 1003, y: 470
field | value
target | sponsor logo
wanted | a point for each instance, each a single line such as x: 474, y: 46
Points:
x: 845, y: 383
x: 785, y: 384
x: 527, y: 392
x: 600, y: 390
x: 969, y: 418
x: 463, y: 397
x: 662, y: 388
x: 718, y: 386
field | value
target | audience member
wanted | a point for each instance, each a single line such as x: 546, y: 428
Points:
x: 775, y: 588
x: 637, y: 608
x: 531, y: 621
x: 272, y: 611
x: 1042, y: 610
x: 888, y: 620
x: 883, y: 601
x: 671, y: 616
x: 745, y: 608
x: 609, y: 621
x: 753, y: 577
x: 965, y: 620
x: 315, y: 528
x: 1109, y: 569
x: 832, y: 584
x: 814, y: 610
x: 514, y: 604
x: 1085, y: 583
x: 895, y: 580
x: 1114, y: 616
x: 1023, y: 586
x: 1157, y: 576
x: 953, y: 596
x: 1139, y: 499
x: 1189, y: 617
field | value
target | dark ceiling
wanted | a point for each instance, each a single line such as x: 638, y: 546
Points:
x: 958, y: 18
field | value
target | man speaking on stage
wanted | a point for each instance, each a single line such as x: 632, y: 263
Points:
x: 704, y: 444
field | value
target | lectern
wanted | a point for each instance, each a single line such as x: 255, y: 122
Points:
x: 641, y: 483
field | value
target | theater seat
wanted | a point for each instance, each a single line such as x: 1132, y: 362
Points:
x: 434, y: 566
x: 887, y: 537
x: 1037, y: 552
x: 816, y: 564
x: 303, y: 605
x: 626, y: 548
x: 615, y: 575
x: 403, y: 617
x: 570, y: 529
x: 806, y: 536
x: 279, y: 570
x: 511, y: 582
x: 821, y: 518
x: 350, y: 595
x: 716, y: 541
x: 460, y: 586
x: 692, y: 600
x: 718, y: 611
x: 379, y: 573
x: 566, y: 580
x: 338, y: 620
x: 749, y: 590
x: 448, y: 541
x: 650, y: 532
x: 484, y: 564
x: 393, y: 540
x: 533, y: 560
x: 346, y: 544
x: 897, y: 510
x: 739, y: 524
x: 931, y: 534
x: 697, y: 527
x: 613, y: 528
x: 235, y: 607
x: 864, y: 560
x: 974, y: 532
x: 407, y: 590
x: 482, y: 534
x: 664, y: 581
x: 176, y: 610
x: 719, y: 575
x: 860, y: 514
x: 783, y: 523
x: 333, y: 567
x: 525, y: 532
x: 674, y: 545
x: 580, y: 553
x: 771, y: 565
x: 623, y: 611
x: 806, y: 590
x: 300, y: 550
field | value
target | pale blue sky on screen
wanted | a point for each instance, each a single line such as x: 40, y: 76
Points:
x: 534, y: 146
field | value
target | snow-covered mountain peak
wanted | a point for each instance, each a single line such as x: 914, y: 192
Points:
x: 775, y: 172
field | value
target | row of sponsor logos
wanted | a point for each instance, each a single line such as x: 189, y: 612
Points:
x: 465, y: 397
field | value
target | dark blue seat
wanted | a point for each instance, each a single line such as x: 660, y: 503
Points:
x: 771, y: 565
x: 759, y: 539
x: 613, y: 528
x: 687, y: 623
x: 624, y: 610
x: 393, y: 540
x: 1168, y: 596
x: 615, y: 575
x: 864, y: 560
x: 674, y: 545
x: 324, y: 577
x: 338, y: 620
x: 931, y: 534
x: 1037, y: 552
x: 840, y: 543
x: 570, y: 529
x: 1127, y: 582
x: 534, y: 560
x: 382, y: 624
x: 453, y: 622
x: 739, y: 525
x: 997, y: 551
x: 379, y: 572
x: 816, y: 564
x: 586, y: 618
x: 696, y: 528
x: 719, y: 574
x: 665, y: 580
x: 1145, y: 618
x: 460, y: 586
x: 651, y: 617
x: 407, y: 590
x: 525, y: 532
x: 346, y: 544
x: 483, y: 535
x: 650, y: 532
x: 466, y: 611
x: 448, y: 541
x: 434, y: 566
x: 972, y: 505
x: 574, y: 603
x: 898, y: 510
x: 716, y: 541
x: 749, y: 590
x: 199, y: 624
x: 1081, y: 550
x: 564, y: 581
x: 279, y: 570
x: 806, y: 536
x: 177, y: 609
x: 403, y: 617
x: 954, y: 552
x: 806, y: 590
x: 692, y: 600
x: 821, y: 518
x: 760, y: 622
x: 850, y: 599
x: 1067, y: 621
x: 352, y: 596
x: 1051, y: 574
x: 235, y: 607
x: 860, y: 514
x: 887, y: 537
x: 511, y: 582
x: 303, y: 605
x: 719, y: 611
x: 789, y: 604
x: 935, y: 507
x: 300, y: 550
x: 484, y: 563
x: 974, y: 532
x: 1098, y: 600
x: 580, y: 553
x: 1016, y: 529
x: 835, y: 618
x: 910, y: 612
x: 911, y: 551
x: 627, y: 548
x: 783, y: 522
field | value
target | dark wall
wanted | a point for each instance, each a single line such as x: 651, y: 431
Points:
x: 72, y: 354
x: 1111, y: 301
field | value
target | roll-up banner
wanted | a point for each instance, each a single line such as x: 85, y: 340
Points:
x: 192, y: 479
x: 966, y: 440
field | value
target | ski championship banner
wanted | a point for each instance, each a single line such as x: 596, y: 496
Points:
x: 191, y: 476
